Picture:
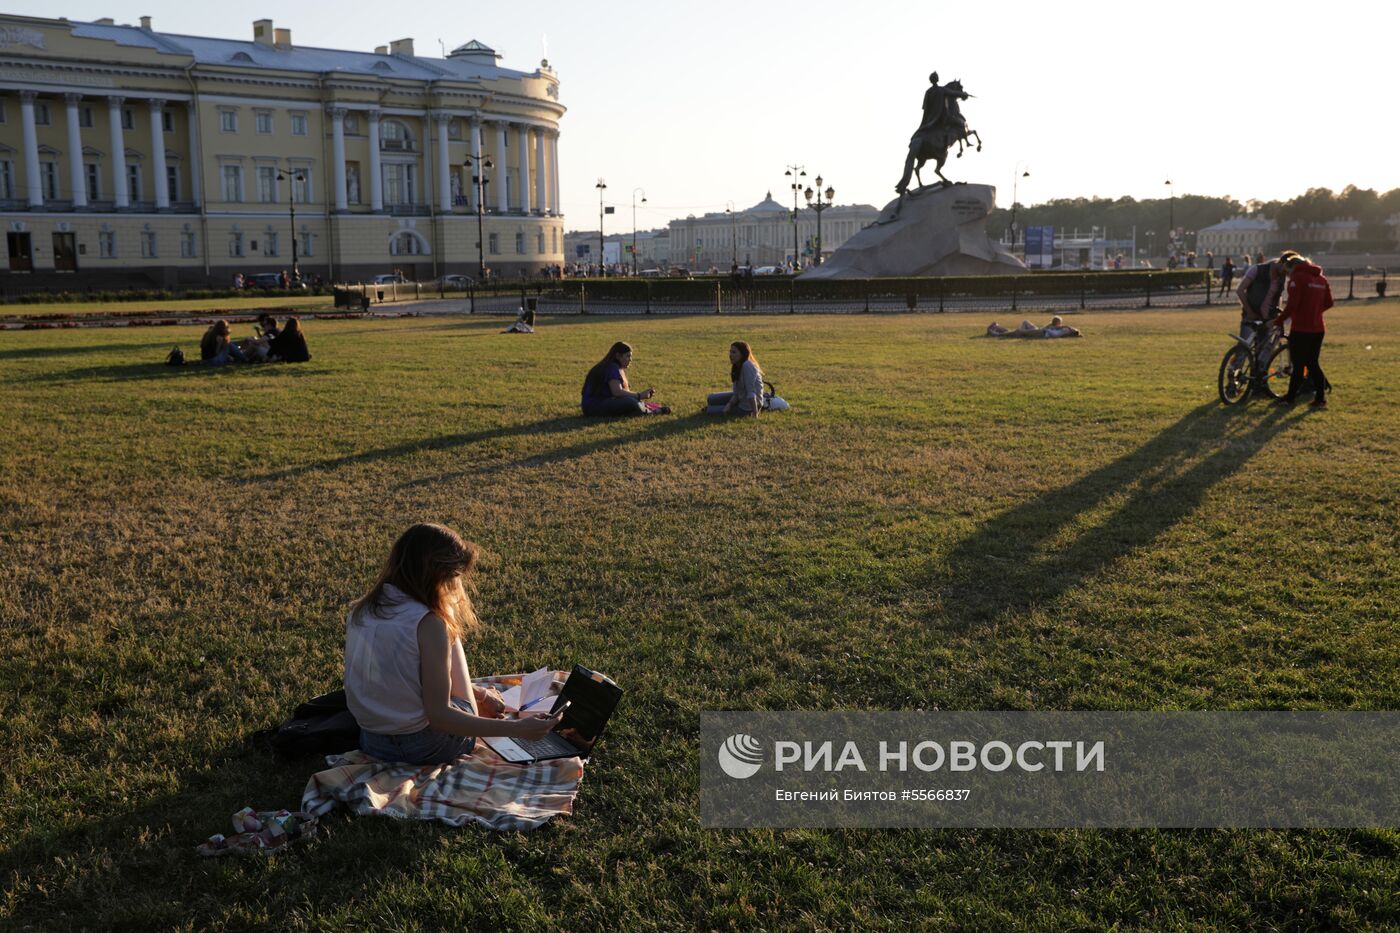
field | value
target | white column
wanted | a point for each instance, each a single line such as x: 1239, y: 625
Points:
x: 476, y: 163
x: 114, y: 118
x: 502, y: 169
x: 376, y: 174
x: 158, y: 155
x: 523, y: 154
x: 541, y: 174
x: 443, y: 170
x: 338, y: 156
x: 195, y: 160
x: 32, y: 182
x: 554, y: 173
x: 75, y: 151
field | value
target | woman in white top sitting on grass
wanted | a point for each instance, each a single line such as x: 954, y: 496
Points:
x: 406, y: 676
x: 747, y: 395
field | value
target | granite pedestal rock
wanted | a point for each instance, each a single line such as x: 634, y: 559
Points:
x: 937, y: 231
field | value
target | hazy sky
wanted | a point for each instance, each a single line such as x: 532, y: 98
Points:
x: 705, y: 103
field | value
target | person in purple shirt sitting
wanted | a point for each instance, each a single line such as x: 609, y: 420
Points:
x: 605, y: 389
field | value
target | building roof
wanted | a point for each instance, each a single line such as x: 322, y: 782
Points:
x: 472, y: 60
x: 1240, y: 225
x: 768, y: 205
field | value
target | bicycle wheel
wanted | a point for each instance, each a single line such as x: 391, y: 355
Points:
x: 1277, y: 373
x: 1236, y: 371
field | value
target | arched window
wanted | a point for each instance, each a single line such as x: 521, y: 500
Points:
x: 395, y: 136
x: 408, y: 243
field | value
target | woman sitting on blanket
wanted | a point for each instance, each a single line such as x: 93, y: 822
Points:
x: 747, y: 395
x: 406, y: 676
x: 605, y: 388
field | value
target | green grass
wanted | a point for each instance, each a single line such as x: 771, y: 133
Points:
x: 172, y: 306
x: 942, y: 522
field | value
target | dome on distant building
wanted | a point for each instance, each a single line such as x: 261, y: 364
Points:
x: 475, y: 51
x: 767, y: 205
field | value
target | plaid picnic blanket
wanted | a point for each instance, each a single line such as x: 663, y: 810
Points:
x: 482, y: 787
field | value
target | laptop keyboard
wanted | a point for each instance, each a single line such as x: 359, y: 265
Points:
x: 547, y: 746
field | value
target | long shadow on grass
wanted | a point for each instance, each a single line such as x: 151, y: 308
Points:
x: 1033, y: 553
x: 128, y: 372
x: 442, y: 442
x: 33, y: 353
x: 654, y: 429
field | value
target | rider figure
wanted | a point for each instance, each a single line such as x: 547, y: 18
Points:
x: 935, y: 105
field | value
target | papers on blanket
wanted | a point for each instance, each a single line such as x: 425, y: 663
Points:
x: 529, y: 696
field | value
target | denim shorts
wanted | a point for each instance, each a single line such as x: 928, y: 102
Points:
x: 424, y: 747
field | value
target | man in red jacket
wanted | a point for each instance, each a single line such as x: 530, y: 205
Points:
x: 1309, y: 296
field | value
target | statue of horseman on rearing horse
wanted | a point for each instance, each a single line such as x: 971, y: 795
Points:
x: 943, y: 126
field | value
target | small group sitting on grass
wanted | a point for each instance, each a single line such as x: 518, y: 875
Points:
x: 607, y: 392
x: 288, y: 345
x: 406, y: 676
x: 1056, y: 328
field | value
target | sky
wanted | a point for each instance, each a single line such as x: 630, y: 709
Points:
x: 703, y: 105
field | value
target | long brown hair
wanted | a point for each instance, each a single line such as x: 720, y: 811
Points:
x: 745, y: 353
x: 431, y: 564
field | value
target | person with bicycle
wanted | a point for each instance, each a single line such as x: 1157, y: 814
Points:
x: 1259, y: 293
x: 1309, y: 296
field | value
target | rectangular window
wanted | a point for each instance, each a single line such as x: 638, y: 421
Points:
x: 133, y: 182
x: 235, y: 245
x: 128, y: 119
x: 85, y: 117
x: 41, y: 114
x: 298, y: 124
x: 148, y: 244
x: 228, y: 121
x: 301, y: 185
x: 520, y: 243
x: 172, y: 182
x: 267, y: 183
x: 352, y: 124
x: 189, y: 246
x: 107, y: 244
x: 262, y: 121
x: 93, y: 173
x: 7, y: 179
x: 48, y: 178
x: 540, y: 241
x: 2, y: 111
x: 493, y: 241
x: 306, y: 241
x: 270, y: 247
x: 167, y: 121
x: 398, y: 183
x: 233, y: 183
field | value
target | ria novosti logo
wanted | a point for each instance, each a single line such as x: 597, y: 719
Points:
x: 741, y: 756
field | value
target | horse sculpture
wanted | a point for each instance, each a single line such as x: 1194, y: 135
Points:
x: 932, y: 141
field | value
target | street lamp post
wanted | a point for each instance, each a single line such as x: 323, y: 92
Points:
x: 1171, y: 215
x: 601, y: 186
x: 296, y: 175
x: 814, y: 201
x: 795, y: 172
x: 733, y: 236
x: 1016, y: 176
x: 478, y: 166
x: 634, y: 225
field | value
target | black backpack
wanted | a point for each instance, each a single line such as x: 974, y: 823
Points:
x: 175, y: 358
x: 322, y: 725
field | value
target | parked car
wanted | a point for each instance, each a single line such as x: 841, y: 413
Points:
x: 454, y: 283
x: 769, y: 270
x: 270, y: 281
x: 651, y: 273
x: 390, y: 278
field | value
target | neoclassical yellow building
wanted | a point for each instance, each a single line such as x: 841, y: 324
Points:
x: 130, y: 156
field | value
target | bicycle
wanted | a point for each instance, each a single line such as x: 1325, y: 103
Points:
x: 1260, y: 364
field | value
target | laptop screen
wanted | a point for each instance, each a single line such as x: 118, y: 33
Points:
x: 593, y: 698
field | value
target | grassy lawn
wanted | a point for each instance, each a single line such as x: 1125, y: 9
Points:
x: 197, y: 305
x: 944, y: 521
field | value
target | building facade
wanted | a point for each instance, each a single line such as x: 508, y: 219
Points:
x: 129, y: 156
x: 764, y: 235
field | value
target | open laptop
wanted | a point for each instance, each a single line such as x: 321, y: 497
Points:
x: 591, y: 699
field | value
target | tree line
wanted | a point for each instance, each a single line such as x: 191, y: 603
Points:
x: 1193, y: 212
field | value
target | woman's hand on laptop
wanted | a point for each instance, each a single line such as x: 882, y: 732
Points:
x: 536, y: 726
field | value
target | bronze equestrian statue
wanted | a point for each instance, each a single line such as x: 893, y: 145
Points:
x: 942, y: 126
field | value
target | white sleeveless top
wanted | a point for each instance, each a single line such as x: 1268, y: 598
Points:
x: 383, y: 682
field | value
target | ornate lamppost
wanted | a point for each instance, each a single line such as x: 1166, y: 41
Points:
x: 1016, y: 176
x: 733, y: 236
x: 814, y: 201
x: 601, y: 186
x: 1171, y: 215
x: 634, y: 225
x: 480, y: 181
x: 795, y: 172
x: 296, y: 176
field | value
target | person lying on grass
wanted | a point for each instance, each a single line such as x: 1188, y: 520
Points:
x: 406, y: 675
x: 605, y: 388
x: 746, y: 398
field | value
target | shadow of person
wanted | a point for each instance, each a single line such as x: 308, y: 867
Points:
x: 1036, y: 551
